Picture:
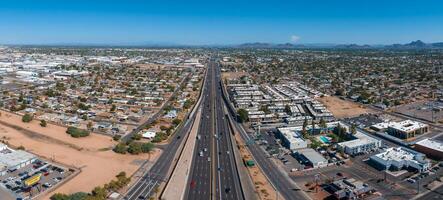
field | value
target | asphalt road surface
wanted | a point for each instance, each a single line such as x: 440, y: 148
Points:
x: 200, y: 180
x: 228, y: 183
x: 213, y: 172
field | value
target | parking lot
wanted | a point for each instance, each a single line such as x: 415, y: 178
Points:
x: 33, y: 179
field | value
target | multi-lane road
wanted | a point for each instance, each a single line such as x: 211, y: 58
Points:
x: 200, y: 179
x: 213, y: 174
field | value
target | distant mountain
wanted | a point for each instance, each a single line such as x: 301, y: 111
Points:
x: 412, y: 45
x: 416, y: 45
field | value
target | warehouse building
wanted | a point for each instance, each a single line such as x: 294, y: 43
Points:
x: 432, y: 148
x: 11, y: 160
x: 400, y: 158
x: 311, y: 157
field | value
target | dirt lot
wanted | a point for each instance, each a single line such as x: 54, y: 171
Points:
x: 92, y: 154
x: 342, y: 108
x: 233, y: 75
x: 262, y: 186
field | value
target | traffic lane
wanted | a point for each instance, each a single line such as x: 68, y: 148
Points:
x: 200, y: 169
x: 158, y: 168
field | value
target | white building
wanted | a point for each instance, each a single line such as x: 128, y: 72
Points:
x: 291, y: 138
x: 313, y: 157
x: 149, y: 134
x: 400, y: 158
x: 404, y: 130
x: 361, y: 144
x: 11, y: 160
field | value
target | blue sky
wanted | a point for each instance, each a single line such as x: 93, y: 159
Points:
x: 220, y: 22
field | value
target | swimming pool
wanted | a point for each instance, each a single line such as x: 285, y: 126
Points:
x: 324, y: 139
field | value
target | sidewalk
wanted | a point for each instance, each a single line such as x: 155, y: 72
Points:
x: 175, y: 188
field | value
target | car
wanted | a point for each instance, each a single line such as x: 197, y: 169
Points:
x: 227, y: 152
x: 47, y: 185
x: 410, y: 180
x: 339, y: 174
x: 227, y: 190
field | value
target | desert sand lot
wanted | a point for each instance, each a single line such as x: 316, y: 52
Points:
x: 92, y: 154
x: 233, y: 75
x: 342, y: 108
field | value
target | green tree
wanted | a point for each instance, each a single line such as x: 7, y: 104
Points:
x: 288, y: 109
x: 120, y: 148
x: 303, y: 130
x: 116, y: 137
x: 353, y: 129
x: 76, y: 133
x: 27, y: 118
x: 176, y: 121
x: 59, y: 196
x: 242, y: 115
x: 135, y: 148
x: 136, y: 136
x: 113, y: 108
x: 43, y: 123
x: 147, y: 147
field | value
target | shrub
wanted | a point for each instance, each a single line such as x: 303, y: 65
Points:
x: 147, y: 147
x: 135, y: 148
x: 120, y: 148
x: 116, y: 137
x: 76, y: 133
x: 27, y: 118
x: 43, y: 123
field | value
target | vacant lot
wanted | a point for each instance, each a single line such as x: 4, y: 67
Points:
x: 233, y: 75
x: 342, y: 108
x: 92, y: 154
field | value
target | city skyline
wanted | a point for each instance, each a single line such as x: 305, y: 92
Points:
x: 219, y: 23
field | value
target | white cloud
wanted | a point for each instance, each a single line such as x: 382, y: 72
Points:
x: 295, y: 38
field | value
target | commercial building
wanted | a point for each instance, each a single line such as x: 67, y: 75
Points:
x: 361, y: 143
x: 11, y: 160
x: 291, y: 138
x: 400, y: 158
x: 432, y: 148
x: 407, y: 129
x: 311, y: 157
x: 348, y: 188
x: 404, y: 130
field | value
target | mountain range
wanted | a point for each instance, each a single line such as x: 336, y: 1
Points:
x: 412, y: 45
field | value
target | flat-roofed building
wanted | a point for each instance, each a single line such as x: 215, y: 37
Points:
x: 361, y: 143
x: 291, y: 138
x: 407, y: 129
x: 11, y: 160
x: 313, y: 157
x: 432, y: 148
x: 397, y: 158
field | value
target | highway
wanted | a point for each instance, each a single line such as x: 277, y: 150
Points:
x: 213, y: 172
x: 200, y: 180
x: 228, y: 183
